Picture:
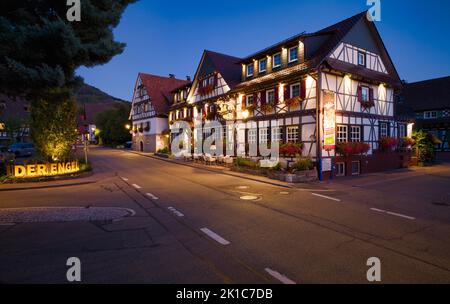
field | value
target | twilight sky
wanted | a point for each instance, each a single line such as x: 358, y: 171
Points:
x: 169, y: 36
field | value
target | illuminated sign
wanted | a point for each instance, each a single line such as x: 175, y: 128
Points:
x: 329, y: 117
x: 36, y: 170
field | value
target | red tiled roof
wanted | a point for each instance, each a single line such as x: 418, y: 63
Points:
x: 226, y: 65
x: 159, y: 88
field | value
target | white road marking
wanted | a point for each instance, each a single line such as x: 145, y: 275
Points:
x: 242, y: 187
x: 215, y: 236
x: 136, y: 186
x: 401, y: 215
x: 327, y: 197
x: 283, y: 279
x: 124, y: 178
x: 176, y: 212
x: 393, y: 213
x: 284, y: 193
x: 151, y: 196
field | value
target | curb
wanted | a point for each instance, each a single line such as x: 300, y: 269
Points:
x: 238, y: 175
x: 46, y: 186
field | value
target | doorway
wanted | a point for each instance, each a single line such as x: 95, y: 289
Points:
x: 141, y: 148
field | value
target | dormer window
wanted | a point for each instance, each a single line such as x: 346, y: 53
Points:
x: 250, y: 70
x: 362, y: 59
x: 262, y: 65
x: 293, y: 54
x: 276, y: 60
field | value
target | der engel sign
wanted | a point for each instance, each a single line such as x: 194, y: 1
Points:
x: 49, y: 169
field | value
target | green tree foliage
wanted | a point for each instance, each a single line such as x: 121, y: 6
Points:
x: 424, y: 146
x: 111, y: 126
x: 53, y: 127
x: 40, y: 49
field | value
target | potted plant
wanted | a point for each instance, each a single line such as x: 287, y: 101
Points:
x: 387, y: 143
x: 292, y: 102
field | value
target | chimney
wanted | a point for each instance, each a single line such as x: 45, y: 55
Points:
x: 188, y: 78
x: 171, y: 75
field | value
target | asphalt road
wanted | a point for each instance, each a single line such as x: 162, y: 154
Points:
x: 193, y: 226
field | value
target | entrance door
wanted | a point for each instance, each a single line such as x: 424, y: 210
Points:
x: 142, y: 146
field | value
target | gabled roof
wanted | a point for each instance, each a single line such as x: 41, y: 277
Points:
x: 332, y: 36
x: 433, y: 94
x: 226, y: 65
x: 159, y: 90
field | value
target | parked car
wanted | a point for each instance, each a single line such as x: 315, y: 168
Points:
x: 6, y: 154
x: 22, y: 149
x: 128, y: 144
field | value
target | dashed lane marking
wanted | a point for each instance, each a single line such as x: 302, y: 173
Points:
x: 282, y: 278
x: 326, y: 197
x: 215, y: 236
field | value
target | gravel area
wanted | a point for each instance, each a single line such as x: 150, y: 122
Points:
x: 62, y: 214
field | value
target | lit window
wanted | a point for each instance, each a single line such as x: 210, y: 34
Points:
x: 383, y: 129
x: 295, y: 90
x: 252, y: 133
x: 361, y: 59
x: 250, y: 70
x: 249, y: 100
x: 365, y: 93
x: 262, y: 65
x: 340, y: 169
x: 276, y: 60
x: 277, y: 134
x: 342, y: 132
x: 263, y: 135
x: 292, y: 134
x: 271, y: 96
x: 355, y: 133
x: 293, y: 54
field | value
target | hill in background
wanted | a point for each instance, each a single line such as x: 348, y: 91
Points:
x: 88, y: 94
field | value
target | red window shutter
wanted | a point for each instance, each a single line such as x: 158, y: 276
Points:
x: 263, y: 97
x: 371, y: 94
x: 303, y: 89
x: 206, y: 110
x: 359, y: 94
x: 286, y: 92
x: 243, y: 103
x: 255, y: 99
x: 276, y: 94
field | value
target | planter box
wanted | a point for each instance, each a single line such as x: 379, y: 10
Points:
x: 298, y: 177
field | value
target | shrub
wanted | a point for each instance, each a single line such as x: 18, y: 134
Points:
x: 245, y: 162
x: 303, y: 164
x: 406, y: 142
x: 164, y: 150
x: 424, y: 146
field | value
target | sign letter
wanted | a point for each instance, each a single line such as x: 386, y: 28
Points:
x: 74, y: 272
x: 374, y: 272
x: 374, y: 13
x: 74, y: 13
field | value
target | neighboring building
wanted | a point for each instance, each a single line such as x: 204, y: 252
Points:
x: 86, y: 118
x: 334, y: 85
x: 14, y: 120
x: 430, y: 102
x: 149, y: 111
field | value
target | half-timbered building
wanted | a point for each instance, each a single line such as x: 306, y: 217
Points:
x: 320, y: 89
x: 149, y: 110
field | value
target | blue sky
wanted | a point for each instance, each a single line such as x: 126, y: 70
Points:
x: 165, y: 37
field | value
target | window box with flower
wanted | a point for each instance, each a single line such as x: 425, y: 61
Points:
x: 388, y: 143
x: 352, y: 148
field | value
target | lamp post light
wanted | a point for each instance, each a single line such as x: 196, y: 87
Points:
x: 127, y: 126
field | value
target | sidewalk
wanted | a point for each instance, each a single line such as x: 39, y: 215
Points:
x: 228, y: 171
x: 88, y: 179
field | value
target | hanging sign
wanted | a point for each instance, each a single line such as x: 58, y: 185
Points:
x: 329, y: 117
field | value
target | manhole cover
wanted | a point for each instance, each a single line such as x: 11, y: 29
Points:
x: 249, y: 198
x: 62, y: 214
x: 242, y: 187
